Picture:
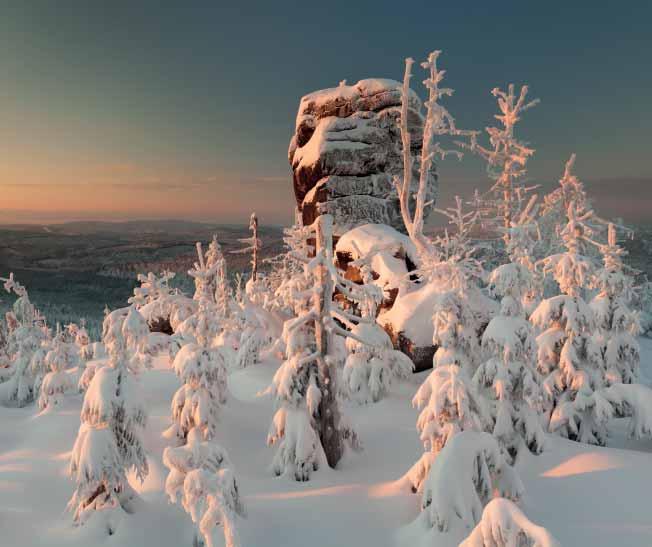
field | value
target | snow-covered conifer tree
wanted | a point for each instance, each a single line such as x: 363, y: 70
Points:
x: 553, y: 215
x: 373, y: 365
x: 567, y: 356
x: 503, y: 524
x: 205, y: 271
x: 449, y: 404
x: 109, y: 442
x: 308, y: 426
x: 508, y: 377
x: 616, y: 324
x: 56, y: 382
x: 135, y: 332
x: 466, y: 475
x: 202, y: 370
x: 523, y: 237
x: 27, y: 332
x: 201, y: 477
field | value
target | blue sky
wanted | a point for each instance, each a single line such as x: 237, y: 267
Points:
x: 185, y: 109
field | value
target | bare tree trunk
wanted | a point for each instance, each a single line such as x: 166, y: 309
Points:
x: 254, y: 258
x: 329, y: 415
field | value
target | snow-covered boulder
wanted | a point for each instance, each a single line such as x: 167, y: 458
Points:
x: 389, y: 254
x: 409, y: 324
x: 346, y: 149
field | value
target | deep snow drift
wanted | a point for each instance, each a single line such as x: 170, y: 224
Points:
x: 584, y: 495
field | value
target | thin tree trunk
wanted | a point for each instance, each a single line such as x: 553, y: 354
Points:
x: 329, y: 416
x: 254, y: 258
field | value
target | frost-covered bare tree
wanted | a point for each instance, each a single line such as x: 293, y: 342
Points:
x: 438, y: 123
x: 251, y: 245
x: 506, y: 158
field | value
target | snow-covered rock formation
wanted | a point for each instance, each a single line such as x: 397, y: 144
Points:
x: 346, y: 150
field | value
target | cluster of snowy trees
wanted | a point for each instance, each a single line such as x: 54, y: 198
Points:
x: 533, y: 321
x: 541, y: 357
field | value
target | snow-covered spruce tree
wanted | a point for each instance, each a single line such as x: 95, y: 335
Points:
x: 205, y: 271
x: 135, y: 332
x: 152, y: 288
x: 201, y: 477
x: 59, y: 359
x: 27, y: 333
x: 108, y: 443
x: 290, y: 297
x: 253, y: 337
x: 449, y: 404
x: 508, y: 378
x: 553, y: 215
x: 567, y: 356
x: 202, y: 370
x: 503, y: 524
x: 464, y: 477
x: 82, y: 341
x: 523, y: 237
x: 308, y: 426
x: 616, y: 324
x: 506, y: 157
x: 370, y: 370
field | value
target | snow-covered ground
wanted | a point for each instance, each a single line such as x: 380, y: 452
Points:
x: 584, y: 495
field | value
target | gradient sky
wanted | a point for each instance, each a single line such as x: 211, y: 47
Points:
x: 140, y: 109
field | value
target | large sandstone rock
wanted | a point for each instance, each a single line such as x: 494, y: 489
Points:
x: 347, y: 148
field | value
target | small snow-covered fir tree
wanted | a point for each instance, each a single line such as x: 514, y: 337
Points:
x: 202, y: 370
x: 109, y: 442
x: 553, y: 215
x: 373, y: 365
x: 61, y: 357
x: 135, y: 332
x: 27, y: 333
x: 567, y: 356
x: 205, y: 271
x: 466, y: 475
x: 508, y: 377
x: 449, y: 404
x: 308, y: 426
x: 616, y: 324
x: 370, y: 370
x: 524, y: 235
x: 152, y: 287
x: 503, y: 524
x: 201, y: 477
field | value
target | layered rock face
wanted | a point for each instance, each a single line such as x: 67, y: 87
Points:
x: 346, y: 149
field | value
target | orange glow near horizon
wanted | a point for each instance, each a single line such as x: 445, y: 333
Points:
x: 123, y: 191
